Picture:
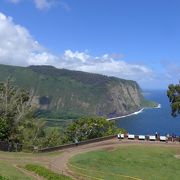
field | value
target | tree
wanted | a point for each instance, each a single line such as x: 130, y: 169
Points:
x: 53, y: 137
x: 18, y: 123
x: 89, y: 128
x: 14, y: 106
x: 31, y: 131
x: 173, y: 94
x: 4, y: 129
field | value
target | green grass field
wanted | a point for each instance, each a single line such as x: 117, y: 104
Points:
x: 8, y: 160
x: 133, y: 162
x: 46, y: 173
x: 141, y: 162
x: 10, y: 172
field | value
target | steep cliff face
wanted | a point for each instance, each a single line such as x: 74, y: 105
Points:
x: 60, y: 92
x: 123, y: 97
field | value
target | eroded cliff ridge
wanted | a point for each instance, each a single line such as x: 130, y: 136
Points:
x: 62, y: 93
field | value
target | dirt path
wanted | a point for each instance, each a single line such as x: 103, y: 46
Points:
x: 60, y: 163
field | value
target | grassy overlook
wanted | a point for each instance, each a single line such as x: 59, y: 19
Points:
x: 129, y: 162
x: 61, y: 93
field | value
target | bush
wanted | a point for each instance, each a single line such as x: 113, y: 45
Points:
x: 89, y: 128
x: 3, y: 178
x: 4, y: 129
x: 44, y: 172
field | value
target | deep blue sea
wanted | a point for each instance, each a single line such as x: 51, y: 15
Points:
x: 152, y: 120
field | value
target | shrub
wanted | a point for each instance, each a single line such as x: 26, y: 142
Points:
x: 90, y: 127
x: 3, y: 178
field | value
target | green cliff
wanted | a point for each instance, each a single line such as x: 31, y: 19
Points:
x: 60, y: 93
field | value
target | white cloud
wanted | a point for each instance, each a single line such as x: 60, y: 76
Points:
x: 17, y: 47
x: 104, y: 64
x: 44, y: 4
x: 82, y: 56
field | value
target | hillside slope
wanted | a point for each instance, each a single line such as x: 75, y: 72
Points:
x: 64, y: 93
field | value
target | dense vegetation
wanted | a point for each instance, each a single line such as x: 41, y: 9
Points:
x: 65, y: 94
x: 83, y: 77
x: 129, y: 162
x: 3, y: 178
x: 173, y: 94
x: 46, y: 173
x: 18, y: 125
x: 89, y: 128
x: 14, y: 109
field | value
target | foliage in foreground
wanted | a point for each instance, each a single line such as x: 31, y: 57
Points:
x: 89, y: 128
x: 18, y: 123
x: 46, y: 173
x: 3, y: 178
x: 173, y: 94
x: 14, y: 106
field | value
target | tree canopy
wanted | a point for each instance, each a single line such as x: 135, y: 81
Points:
x: 173, y: 94
x: 18, y: 123
x: 14, y: 106
x: 90, y: 127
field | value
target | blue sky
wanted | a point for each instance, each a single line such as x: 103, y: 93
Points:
x: 131, y: 39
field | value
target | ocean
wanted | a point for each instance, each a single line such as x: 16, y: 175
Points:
x: 149, y: 121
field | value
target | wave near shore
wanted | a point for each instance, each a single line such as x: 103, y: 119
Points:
x: 134, y: 113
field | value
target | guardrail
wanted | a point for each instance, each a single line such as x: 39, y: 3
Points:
x: 4, y: 146
x: 136, y: 137
x: 15, y: 147
x: 66, y: 146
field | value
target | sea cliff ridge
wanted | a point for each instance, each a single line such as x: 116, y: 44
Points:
x: 62, y: 93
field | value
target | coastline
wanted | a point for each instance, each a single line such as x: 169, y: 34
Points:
x: 131, y: 114
x: 134, y: 113
x: 159, y: 106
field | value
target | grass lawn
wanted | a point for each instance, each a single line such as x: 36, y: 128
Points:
x: 143, y: 162
x: 7, y: 159
x: 46, y: 173
x: 11, y: 173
